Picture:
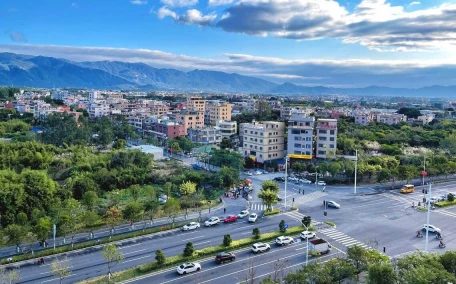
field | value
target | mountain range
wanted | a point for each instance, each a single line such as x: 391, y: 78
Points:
x: 48, y: 72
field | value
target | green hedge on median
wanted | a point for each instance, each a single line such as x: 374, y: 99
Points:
x: 176, y: 260
x: 445, y: 203
x: 90, y: 243
x: 272, y: 212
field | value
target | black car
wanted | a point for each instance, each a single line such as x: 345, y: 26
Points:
x: 224, y: 256
x: 281, y: 179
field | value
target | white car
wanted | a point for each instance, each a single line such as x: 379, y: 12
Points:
x: 253, y: 217
x: 260, y: 247
x: 191, y: 226
x: 431, y: 228
x: 212, y: 221
x: 307, y: 235
x: 257, y: 173
x: 306, y: 181
x: 188, y: 267
x: 283, y: 241
x: 320, y: 182
x: 243, y: 214
x: 293, y: 178
x: 333, y: 204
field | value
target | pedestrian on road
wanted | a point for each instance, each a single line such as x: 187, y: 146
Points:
x: 303, y: 192
x: 299, y: 191
x: 224, y: 210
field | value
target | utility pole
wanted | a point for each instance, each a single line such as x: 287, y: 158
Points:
x: 428, y: 216
x: 356, y: 166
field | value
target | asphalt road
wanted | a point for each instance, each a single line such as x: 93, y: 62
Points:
x: 91, y: 263
x: 246, y: 266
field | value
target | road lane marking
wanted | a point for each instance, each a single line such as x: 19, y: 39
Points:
x: 47, y: 272
x: 195, y: 244
x: 56, y: 279
x: 122, y: 247
x: 192, y: 238
x: 130, y: 260
x: 127, y: 253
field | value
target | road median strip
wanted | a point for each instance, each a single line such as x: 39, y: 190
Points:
x: 173, y: 261
x: 24, y: 259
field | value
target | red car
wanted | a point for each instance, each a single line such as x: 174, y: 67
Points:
x: 230, y: 218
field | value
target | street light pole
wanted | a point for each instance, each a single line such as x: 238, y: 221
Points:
x: 307, y: 244
x: 424, y: 169
x: 356, y: 166
x: 286, y: 179
x: 428, y: 216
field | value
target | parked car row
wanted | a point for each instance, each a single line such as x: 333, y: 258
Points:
x: 255, y: 172
x: 252, y: 218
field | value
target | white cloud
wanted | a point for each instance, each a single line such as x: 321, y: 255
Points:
x: 164, y: 12
x: 195, y: 17
x: 415, y: 3
x: 219, y: 2
x: 138, y: 2
x: 180, y: 3
x: 348, y: 72
x: 375, y: 24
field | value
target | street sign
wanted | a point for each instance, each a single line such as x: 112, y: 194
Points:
x: 285, y: 226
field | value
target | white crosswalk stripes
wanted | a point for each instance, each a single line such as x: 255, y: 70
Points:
x: 259, y: 206
x: 298, y: 217
x: 308, y: 197
x: 445, y: 212
x: 343, y: 238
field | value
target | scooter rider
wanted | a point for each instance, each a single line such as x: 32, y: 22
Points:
x: 418, y: 234
x: 442, y: 245
x: 438, y: 235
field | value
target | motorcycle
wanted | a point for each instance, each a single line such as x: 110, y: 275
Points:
x: 439, y: 237
x: 442, y: 245
x: 419, y: 235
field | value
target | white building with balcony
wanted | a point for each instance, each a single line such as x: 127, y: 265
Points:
x: 326, y: 144
x: 301, y: 134
x: 227, y: 128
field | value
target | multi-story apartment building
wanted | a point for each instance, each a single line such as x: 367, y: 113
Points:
x: 363, y: 118
x: 189, y: 119
x: 391, y: 118
x: 227, y: 128
x: 196, y: 104
x: 263, y: 141
x: 216, y: 111
x: 426, y: 118
x: 301, y: 136
x: 98, y: 110
x: 326, y: 143
x: 162, y: 128
x: 208, y: 135
x: 60, y: 95
x: 252, y: 105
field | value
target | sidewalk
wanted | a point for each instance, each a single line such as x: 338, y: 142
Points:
x: 10, y: 251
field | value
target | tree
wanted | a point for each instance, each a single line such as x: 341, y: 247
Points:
x: 269, y: 197
x: 151, y: 206
x: 43, y: 228
x: 172, y: 209
x: 119, y: 144
x: 160, y: 257
x: 358, y: 256
x: 256, y: 233
x: 298, y: 167
x: 382, y: 273
x: 228, y: 176
x: 175, y: 148
x: 270, y: 185
x: 410, y: 112
x: 312, y: 273
x: 187, y: 188
x: 448, y: 260
x: 189, y: 249
x: 340, y: 269
x: 282, y: 226
x: 113, y: 218
x: 306, y: 221
x: 90, y: 219
x: 29, y: 240
x: 9, y: 276
x: 60, y: 269
x: 226, y: 143
x: 133, y: 211
x: 135, y: 192
x: 89, y: 199
x: 227, y: 240
x: 450, y: 197
x: 22, y: 219
x: 15, y: 235
x: 112, y: 256
x: 334, y: 169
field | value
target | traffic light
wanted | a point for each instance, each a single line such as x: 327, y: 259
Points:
x: 293, y: 199
x: 325, y: 213
x: 424, y: 200
x: 324, y: 202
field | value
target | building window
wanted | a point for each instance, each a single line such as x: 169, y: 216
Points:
x: 322, y: 131
x: 295, y: 131
x: 331, y: 138
x: 321, y: 145
x: 331, y: 146
x: 332, y: 132
x: 261, y: 148
x: 297, y: 145
x: 321, y: 152
x: 270, y: 148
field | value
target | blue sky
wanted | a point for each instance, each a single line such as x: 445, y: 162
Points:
x: 250, y: 37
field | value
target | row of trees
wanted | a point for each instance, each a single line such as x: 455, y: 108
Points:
x: 416, y: 268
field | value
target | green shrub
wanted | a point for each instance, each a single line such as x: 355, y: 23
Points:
x: 330, y: 223
x: 160, y: 257
x: 256, y: 233
x: 294, y: 208
x: 282, y: 226
x: 189, y: 249
x: 274, y: 211
x: 450, y: 197
x: 227, y: 240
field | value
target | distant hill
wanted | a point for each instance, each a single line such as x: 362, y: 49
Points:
x: 48, y: 72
